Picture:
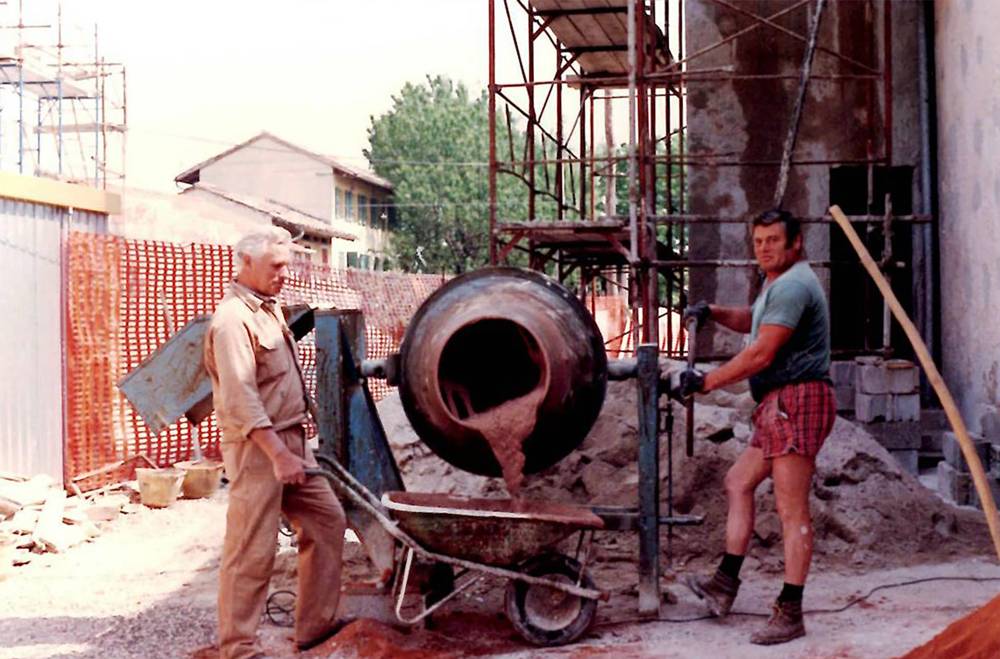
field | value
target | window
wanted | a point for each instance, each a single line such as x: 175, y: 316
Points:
x: 326, y: 256
x: 349, y: 204
x: 338, y: 202
x: 363, y: 209
x: 352, y: 259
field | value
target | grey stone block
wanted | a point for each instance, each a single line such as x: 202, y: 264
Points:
x: 871, y: 378
x: 842, y: 374
x: 845, y: 398
x: 903, y: 376
x: 990, y: 423
x: 993, y: 480
x: 930, y: 441
x: 952, y: 450
x: 934, y: 419
x: 870, y: 407
x: 903, y: 407
x: 954, y: 485
x: 896, y: 436
x: 908, y: 459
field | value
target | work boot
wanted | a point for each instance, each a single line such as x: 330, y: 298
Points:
x: 717, y: 591
x: 785, y: 625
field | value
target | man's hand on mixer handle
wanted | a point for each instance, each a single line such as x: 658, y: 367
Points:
x: 681, y: 385
x: 701, y: 311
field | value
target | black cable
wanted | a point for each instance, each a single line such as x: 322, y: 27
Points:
x: 281, y: 614
x: 852, y: 602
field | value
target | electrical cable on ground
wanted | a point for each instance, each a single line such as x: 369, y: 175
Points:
x: 854, y: 601
x: 280, y: 613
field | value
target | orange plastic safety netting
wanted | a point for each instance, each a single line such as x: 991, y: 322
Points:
x: 124, y: 298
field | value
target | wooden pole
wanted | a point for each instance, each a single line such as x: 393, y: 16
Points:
x: 933, y: 376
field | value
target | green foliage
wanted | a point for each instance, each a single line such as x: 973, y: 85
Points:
x: 433, y: 145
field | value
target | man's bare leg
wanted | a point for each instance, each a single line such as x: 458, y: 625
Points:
x: 792, y: 476
x: 742, y: 479
x: 718, y: 591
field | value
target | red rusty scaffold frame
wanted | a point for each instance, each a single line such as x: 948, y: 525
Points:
x: 631, y: 252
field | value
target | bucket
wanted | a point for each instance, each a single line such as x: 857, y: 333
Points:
x: 201, y: 478
x: 158, y: 488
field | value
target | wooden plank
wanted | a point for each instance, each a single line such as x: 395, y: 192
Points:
x: 933, y: 376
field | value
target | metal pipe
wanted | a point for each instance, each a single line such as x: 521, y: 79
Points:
x: 492, y: 112
x: 632, y: 190
x: 649, y: 476
x: 887, y: 78
x: 925, y: 234
x: 529, y: 136
x: 793, y: 126
x: 560, y: 211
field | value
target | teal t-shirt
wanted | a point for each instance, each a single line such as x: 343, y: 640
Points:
x: 794, y: 300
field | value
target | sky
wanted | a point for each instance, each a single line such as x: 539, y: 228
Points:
x: 204, y: 75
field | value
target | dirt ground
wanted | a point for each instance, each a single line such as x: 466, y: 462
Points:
x: 146, y: 588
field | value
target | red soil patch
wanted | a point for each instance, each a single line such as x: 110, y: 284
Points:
x: 976, y: 636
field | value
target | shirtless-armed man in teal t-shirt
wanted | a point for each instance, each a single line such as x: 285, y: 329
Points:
x: 787, y: 363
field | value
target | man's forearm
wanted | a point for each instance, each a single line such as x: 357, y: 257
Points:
x: 269, y: 442
x: 737, y: 319
x: 749, y: 362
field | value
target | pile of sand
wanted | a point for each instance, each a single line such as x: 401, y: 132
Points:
x: 866, y: 509
x: 975, y: 636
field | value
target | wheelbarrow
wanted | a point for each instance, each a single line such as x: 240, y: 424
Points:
x: 550, y: 599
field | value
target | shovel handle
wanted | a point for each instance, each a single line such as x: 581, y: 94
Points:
x: 692, y: 333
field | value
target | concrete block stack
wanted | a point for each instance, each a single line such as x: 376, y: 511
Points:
x: 842, y: 374
x: 990, y: 455
x: 955, y: 480
x: 887, y: 397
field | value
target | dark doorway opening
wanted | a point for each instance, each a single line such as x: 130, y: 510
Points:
x: 855, y: 303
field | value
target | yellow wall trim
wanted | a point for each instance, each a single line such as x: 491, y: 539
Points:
x: 57, y: 193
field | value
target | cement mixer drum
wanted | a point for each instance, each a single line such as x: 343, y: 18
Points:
x: 491, y: 337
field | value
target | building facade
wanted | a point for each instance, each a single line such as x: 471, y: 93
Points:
x: 270, y: 173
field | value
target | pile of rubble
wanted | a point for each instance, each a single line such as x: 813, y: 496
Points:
x: 867, y: 509
x: 37, y: 516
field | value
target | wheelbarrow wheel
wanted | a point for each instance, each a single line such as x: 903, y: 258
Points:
x: 546, y: 616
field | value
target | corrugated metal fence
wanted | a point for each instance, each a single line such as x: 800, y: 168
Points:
x: 31, y: 347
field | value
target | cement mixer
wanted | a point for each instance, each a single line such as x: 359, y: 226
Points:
x: 502, y: 360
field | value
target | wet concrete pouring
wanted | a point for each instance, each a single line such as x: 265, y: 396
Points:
x: 505, y: 427
x: 147, y: 587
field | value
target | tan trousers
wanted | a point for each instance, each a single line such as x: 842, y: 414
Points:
x: 255, y: 500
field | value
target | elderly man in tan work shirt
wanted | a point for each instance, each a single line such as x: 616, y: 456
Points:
x: 261, y: 405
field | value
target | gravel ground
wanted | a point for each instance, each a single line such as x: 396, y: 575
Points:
x: 146, y: 588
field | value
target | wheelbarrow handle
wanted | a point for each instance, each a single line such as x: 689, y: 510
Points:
x: 343, y: 482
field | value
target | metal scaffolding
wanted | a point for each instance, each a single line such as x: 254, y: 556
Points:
x: 62, y: 104
x: 602, y: 55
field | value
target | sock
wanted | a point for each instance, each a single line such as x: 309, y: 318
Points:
x: 791, y: 593
x: 730, y: 565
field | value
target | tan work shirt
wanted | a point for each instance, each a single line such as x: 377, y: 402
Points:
x: 252, y: 359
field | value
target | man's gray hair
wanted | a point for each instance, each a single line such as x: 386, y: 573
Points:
x: 257, y: 242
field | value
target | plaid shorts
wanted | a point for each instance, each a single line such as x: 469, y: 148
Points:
x: 795, y: 418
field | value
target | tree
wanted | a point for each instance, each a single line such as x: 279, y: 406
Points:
x: 433, y: 145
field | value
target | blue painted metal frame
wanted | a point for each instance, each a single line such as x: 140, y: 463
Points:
x: 349, y: 426
x: 649, y: 478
